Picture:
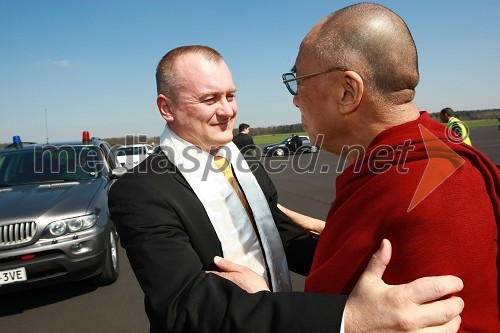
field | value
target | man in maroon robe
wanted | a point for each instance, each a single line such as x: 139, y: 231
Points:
x: 436, y: 200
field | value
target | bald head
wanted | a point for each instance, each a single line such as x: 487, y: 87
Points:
x: 168, y: 80
x: 374, y: 42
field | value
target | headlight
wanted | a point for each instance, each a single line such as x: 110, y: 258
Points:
x: 57, y: 228
x: 88, y: 221
x: 74, y: 224
x: 61, y: 227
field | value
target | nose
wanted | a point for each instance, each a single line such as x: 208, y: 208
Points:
x: 226, y: 109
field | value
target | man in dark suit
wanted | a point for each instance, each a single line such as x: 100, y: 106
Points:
x: 295, y: 143
x: 243, y: 140
x: 175, y: 212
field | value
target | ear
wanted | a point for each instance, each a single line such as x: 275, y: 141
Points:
x: 165, y: 107
x: 353, y: 89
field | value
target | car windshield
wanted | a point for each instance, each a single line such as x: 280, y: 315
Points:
x: 49, y: 164
x: 129, y: 151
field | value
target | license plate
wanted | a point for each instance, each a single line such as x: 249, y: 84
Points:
x: 13, y: 275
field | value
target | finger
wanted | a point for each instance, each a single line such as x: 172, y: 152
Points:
x: 380, y: 260
x: 224, y: 275
x: 221, y: 274
x: 283, y: 209
x: 227, y: 265
x: 450, y: 327
x: 427, y: 289
x: 438, y: 313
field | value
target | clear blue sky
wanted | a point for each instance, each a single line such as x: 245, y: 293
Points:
x: 91, y: 63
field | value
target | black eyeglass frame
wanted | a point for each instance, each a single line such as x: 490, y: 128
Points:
x: 287, y: 81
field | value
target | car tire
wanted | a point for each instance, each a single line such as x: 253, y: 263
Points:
x: 279, y: 152
x: 313, y: 149
x: 111, y: 268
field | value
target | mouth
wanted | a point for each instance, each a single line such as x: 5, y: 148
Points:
x: 222, y: 127
x: 223, y: 123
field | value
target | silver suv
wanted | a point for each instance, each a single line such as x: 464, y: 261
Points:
x: 54, y: 218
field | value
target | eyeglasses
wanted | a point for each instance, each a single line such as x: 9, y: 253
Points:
x: 291, y: 81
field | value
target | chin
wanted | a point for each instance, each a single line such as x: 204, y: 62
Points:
x: 223, y: 138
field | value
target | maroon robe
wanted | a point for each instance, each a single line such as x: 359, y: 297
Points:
x: 445, y: 222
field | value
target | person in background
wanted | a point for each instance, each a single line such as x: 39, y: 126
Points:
x: 243, y: 140
x: 199, y: 199
x: 295, y: 143
x: 153, y: 146
x: 459, y: 130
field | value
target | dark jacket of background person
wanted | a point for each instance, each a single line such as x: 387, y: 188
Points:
x: 294, y: 143
x: 244, y: 142
x: 171, y: 242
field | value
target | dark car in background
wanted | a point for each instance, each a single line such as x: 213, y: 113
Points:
x: 54, y: 219
x: 284, y: 147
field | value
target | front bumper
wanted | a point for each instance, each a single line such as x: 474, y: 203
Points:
x: 67, y: 258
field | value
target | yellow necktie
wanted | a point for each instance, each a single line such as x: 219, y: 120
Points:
x: 225, y: 167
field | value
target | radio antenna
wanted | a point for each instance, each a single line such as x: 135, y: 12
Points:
x: 46, y: 127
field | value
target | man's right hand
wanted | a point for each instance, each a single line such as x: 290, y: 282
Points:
x: 374, y: 306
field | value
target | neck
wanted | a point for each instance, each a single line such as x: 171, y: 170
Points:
x: 379, y: 119
x: 211, y: 149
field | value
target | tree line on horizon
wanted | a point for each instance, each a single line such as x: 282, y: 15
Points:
x: 297, y: 128
x: 293, y: 128
x: 473, y: 114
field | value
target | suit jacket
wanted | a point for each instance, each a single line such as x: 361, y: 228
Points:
x: 171, y: 243
x: 244, y: 142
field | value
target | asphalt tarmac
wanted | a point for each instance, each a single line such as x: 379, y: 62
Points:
x: 305, y: 184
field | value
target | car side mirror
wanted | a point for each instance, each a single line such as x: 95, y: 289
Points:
x: 118, y: 172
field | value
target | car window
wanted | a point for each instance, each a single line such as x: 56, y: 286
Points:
x: 106, y: 164
x: 53, y: 164
x: 109, y: 155
x: 130, y: 151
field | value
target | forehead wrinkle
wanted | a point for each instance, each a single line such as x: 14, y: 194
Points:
x: 203, y: 76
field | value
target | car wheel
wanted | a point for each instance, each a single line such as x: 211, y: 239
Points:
x: 279, y: 152
x: 111, y: 267
x: 313, y: 149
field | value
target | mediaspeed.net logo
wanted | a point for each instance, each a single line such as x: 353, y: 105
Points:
x: 443, y: 162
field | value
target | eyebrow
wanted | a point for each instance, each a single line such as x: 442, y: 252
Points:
x: 216, y: 93
x: 294, y: 69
